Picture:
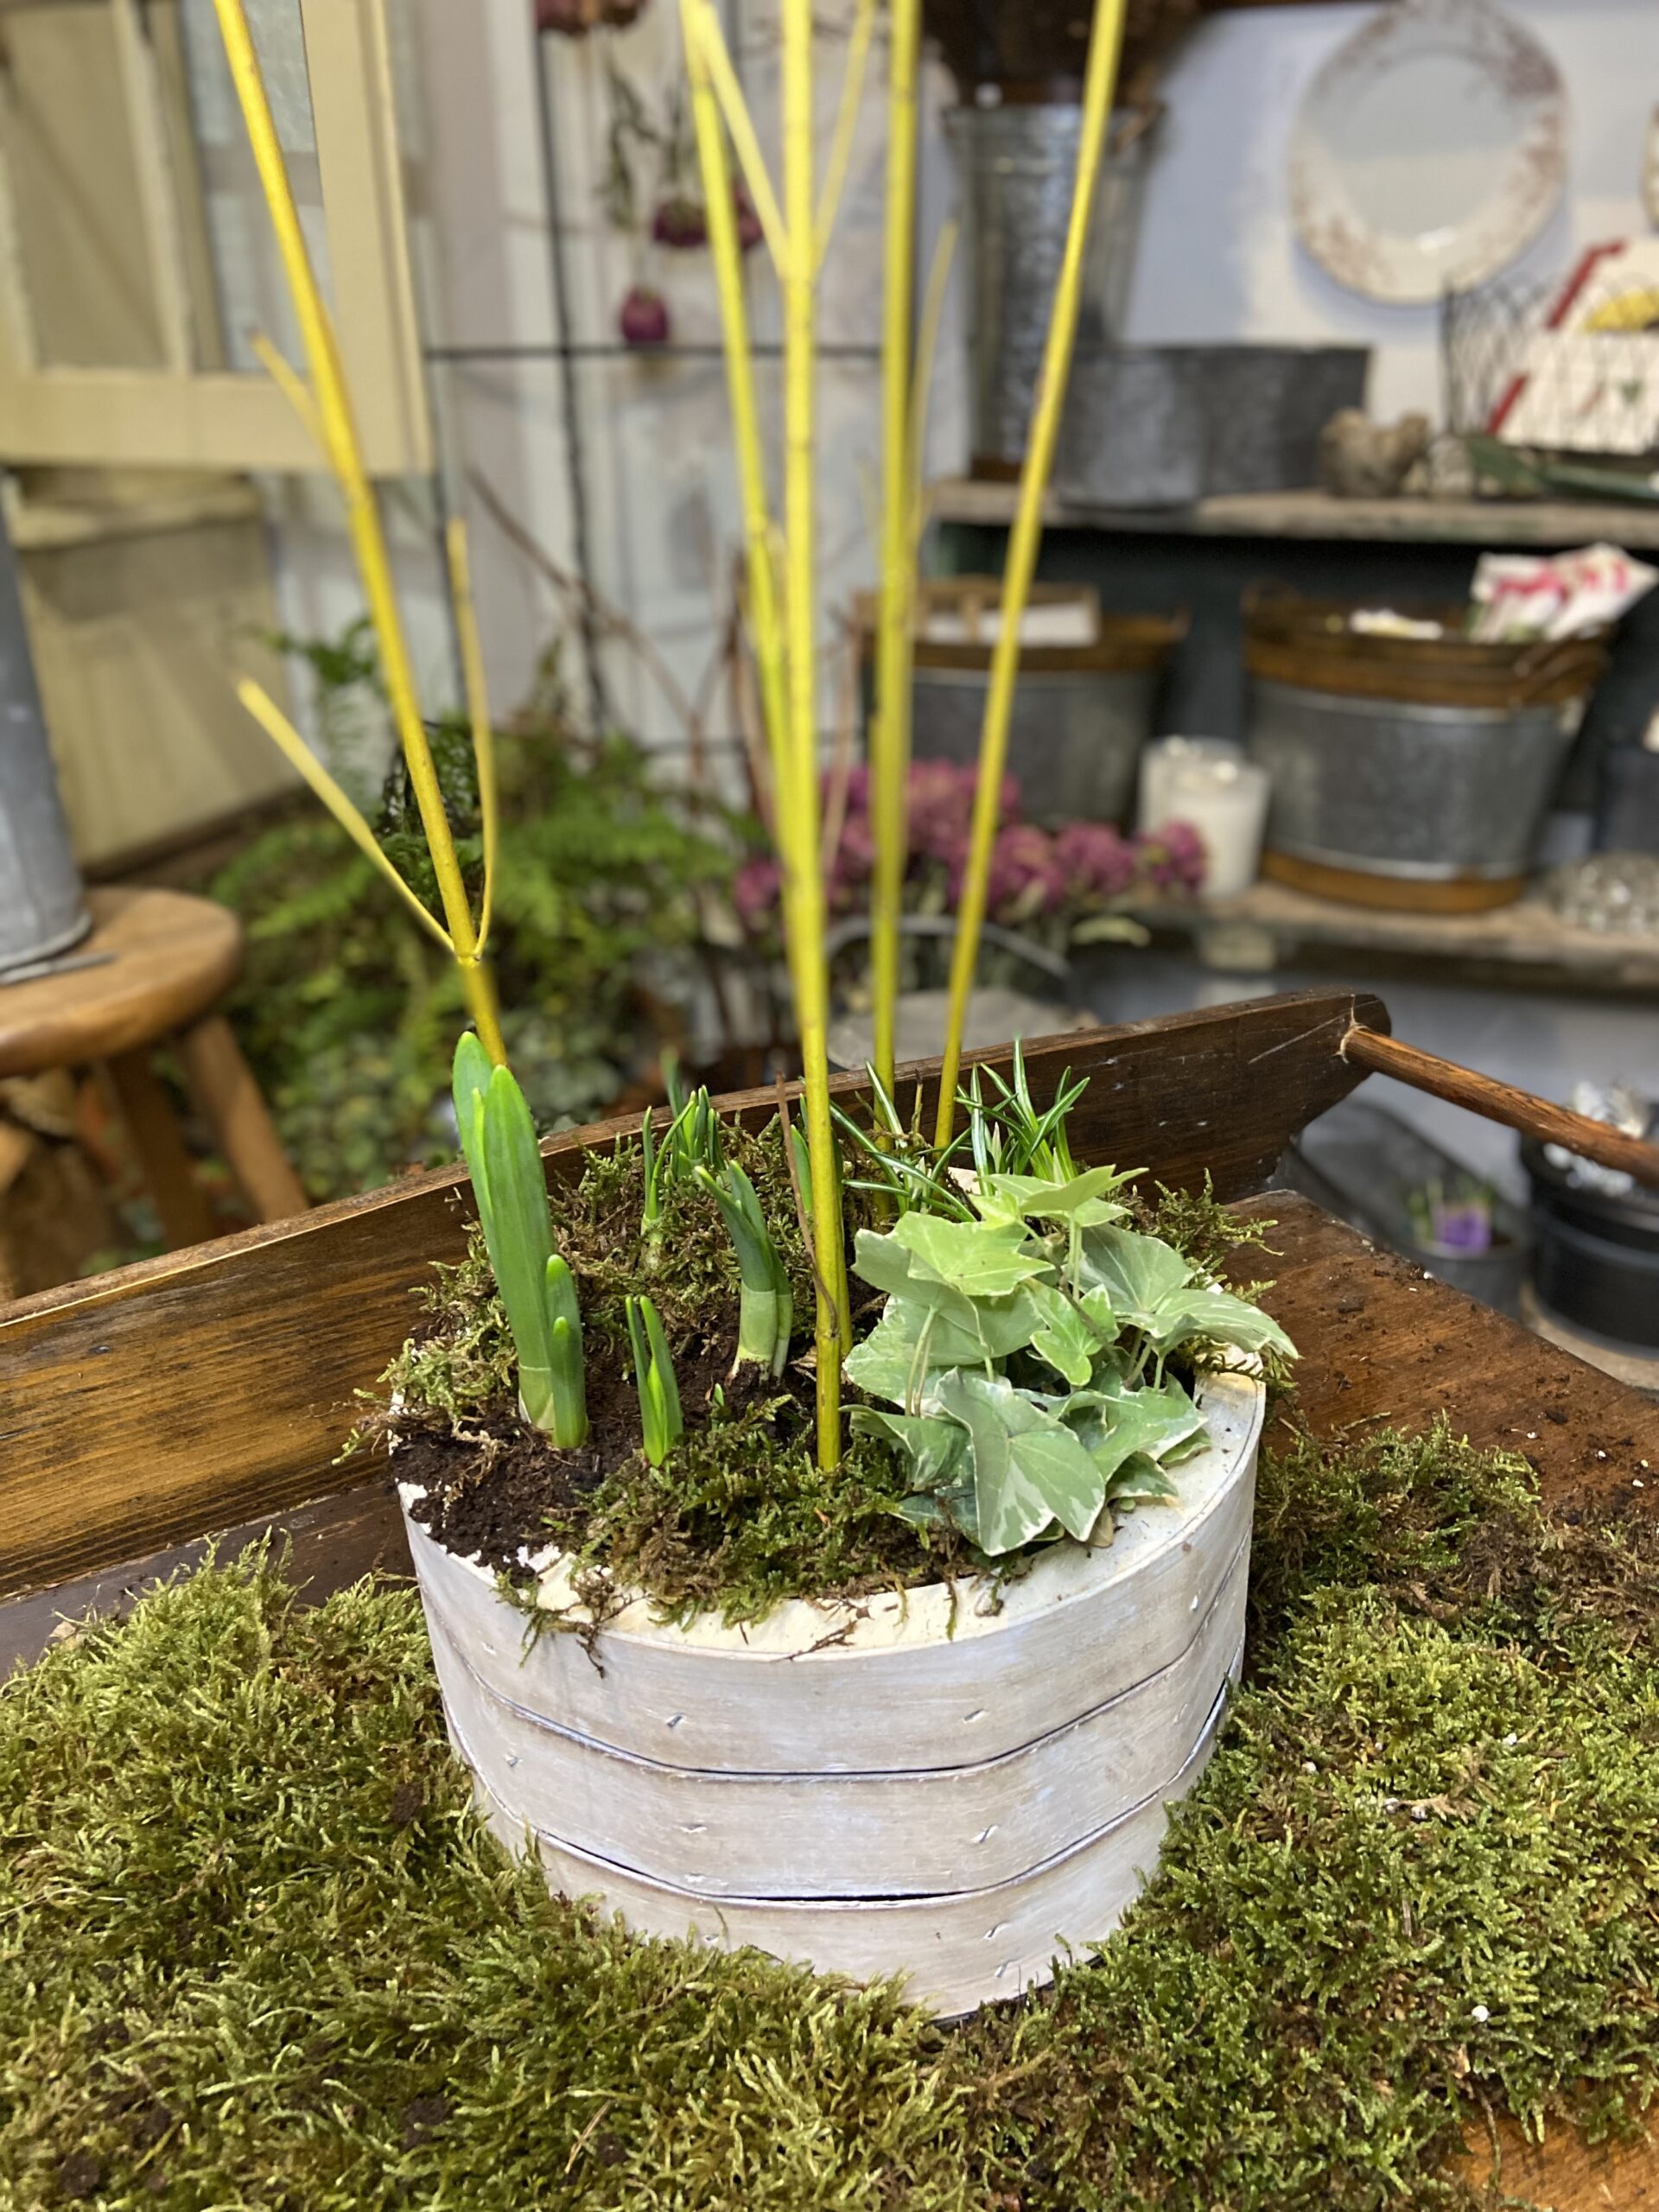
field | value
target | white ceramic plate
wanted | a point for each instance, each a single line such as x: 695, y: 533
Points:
x: 1429, y: 149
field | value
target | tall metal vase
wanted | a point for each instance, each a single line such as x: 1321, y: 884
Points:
x: 42, y: 908
x: 1019, y: 163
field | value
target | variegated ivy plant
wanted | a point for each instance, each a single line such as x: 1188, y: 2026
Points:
x: 1026, y: 1342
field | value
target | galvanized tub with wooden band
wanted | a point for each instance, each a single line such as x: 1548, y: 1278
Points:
x: 1084, y: 707
x: 949, y: 1785
x: 1408, y: 772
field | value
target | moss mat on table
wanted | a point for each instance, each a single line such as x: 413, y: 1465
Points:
x: 254, y: 1951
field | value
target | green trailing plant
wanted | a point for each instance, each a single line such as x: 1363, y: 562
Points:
x: 765, y: 1303
x: 1030, y: 1340
x: 661, y: 1423
x: 537, y: 1287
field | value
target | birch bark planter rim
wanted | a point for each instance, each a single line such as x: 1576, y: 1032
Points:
x: 847, y: 1781
x: 884, y: 1621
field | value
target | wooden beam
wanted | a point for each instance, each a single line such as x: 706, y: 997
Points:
x: 209, y: 1386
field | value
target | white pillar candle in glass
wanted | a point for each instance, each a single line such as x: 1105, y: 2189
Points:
x: 1208, y: 782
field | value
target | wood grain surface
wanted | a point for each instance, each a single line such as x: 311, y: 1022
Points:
x: 1383, y: 1345
x: 211, y: 1386
x: 171, y: 956
x: 1539, y: 1118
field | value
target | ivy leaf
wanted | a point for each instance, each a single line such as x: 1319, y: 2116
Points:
x: 978, y: 1259
x: 928, y: 1328
x: 1139, y: 1276
x: 1140, y: 1481
x: 1001, y: 1199
x: 935, y: 1448
x: 1229, y: 1321
x: 1069, y: 1339
x: 1150, y: 1288
x: 1114, y: 1424
x: 1029, y: 1469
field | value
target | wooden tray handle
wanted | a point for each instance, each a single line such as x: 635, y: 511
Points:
x: 1501, y: 1101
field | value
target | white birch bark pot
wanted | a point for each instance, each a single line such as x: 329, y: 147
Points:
x: 946, y: 1785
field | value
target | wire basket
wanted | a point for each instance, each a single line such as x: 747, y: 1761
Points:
x: 1565, y: 366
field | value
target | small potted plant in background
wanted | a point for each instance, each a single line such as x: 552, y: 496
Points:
x: 902, y: 1684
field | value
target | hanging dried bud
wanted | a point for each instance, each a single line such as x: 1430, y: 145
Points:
x: 569, y: 18
x: 643, y: 320
x: 680, y: 222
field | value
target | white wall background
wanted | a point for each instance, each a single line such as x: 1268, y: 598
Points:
x: 1218, y: 260
x: 1217, y: 257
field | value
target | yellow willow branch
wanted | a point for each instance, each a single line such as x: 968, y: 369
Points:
x: 281, y: 732
x: 478, y: 714
x: 841, y: 146
x: 890, y: 729
x: 726, y: 256
x: 927, y: 346
x: 706, y: 40
x: 332, y: 404
x: 293, y: 388
x: 1099, y: 83
x: 799, y: 802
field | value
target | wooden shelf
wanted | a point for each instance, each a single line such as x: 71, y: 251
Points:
x: 1317, y: 515
x: 1263, y: 928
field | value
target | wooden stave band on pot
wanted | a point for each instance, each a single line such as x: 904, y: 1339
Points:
x: 955, y: 1951
x: 886, y: 1833
x: 773, y: 1696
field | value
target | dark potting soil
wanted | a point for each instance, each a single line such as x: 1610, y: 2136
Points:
x: 500, y: 1486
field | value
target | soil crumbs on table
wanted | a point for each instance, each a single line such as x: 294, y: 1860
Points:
x: 258, y: 1950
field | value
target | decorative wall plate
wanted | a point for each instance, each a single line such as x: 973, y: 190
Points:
x: 1428, y: 150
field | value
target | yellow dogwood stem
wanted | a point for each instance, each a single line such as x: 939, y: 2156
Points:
x: 478, y: 714
x: 333, y: 413
x: 1104, y: 40
x: 890, y: 729
x: 710, y: 41
x: 288, y: 741
x: 799, y: 811
x: 726, y: 256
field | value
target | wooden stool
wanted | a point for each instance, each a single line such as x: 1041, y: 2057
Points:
x: 170, y: 959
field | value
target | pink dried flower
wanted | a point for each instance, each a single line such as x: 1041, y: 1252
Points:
x: 1171, y: 857
x: 1097, y: 861
x: 680, y: 222
x: 1026, y: 877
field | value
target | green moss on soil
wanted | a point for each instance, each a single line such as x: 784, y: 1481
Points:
x: 254, y: 1951
x: 739, y: 1518
x: 735, y: 1524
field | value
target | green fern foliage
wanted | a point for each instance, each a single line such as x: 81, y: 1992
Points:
x: 348, y: 1015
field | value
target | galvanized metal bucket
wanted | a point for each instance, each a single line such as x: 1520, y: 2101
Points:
x: 1081, y: 713
x: 1397, y: 789
x: 1018, y: 164
x: 1154, y: 426
x: 41, y: 909
x: 1408, y: 772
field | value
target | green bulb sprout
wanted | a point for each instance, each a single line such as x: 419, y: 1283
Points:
x: 498, y: 1139
x: 654, y: 1378
x: 765, y: 1312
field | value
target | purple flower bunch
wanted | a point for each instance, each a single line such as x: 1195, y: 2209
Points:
x: 1058, y: 878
